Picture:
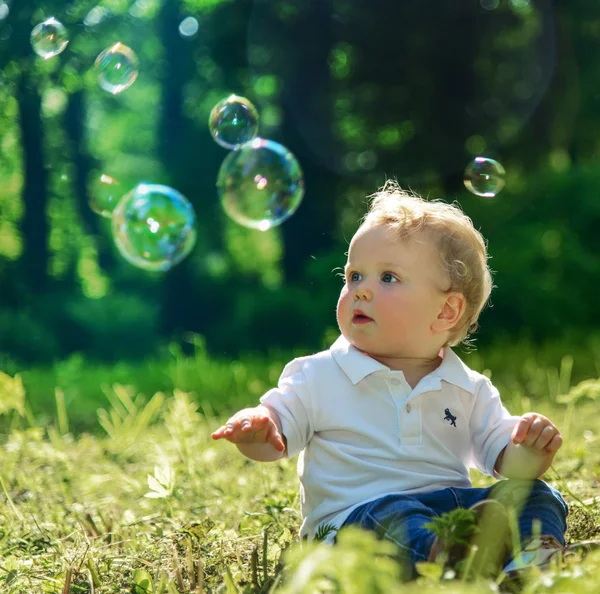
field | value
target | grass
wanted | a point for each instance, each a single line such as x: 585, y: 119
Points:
x: 523, y: 371
x: 142, y: 500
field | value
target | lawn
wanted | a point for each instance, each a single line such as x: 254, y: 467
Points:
x: 142, y: 500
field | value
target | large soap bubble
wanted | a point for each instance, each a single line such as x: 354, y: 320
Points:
x: 260, y: 184
x: 484, y: 177
x: 117, y: 68
x: 49, y: 38
x: 233, y: 122
x: 154, y: 227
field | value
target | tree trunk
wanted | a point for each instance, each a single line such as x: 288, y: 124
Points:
x: 308, y: 90
x: 35, y: 187
x: 186, y: 156
x: 84, y: 163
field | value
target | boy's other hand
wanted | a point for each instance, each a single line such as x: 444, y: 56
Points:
x: 251, y: 426
x: 537, y: 433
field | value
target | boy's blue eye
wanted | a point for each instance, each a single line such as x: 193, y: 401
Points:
x: 353, y: 276
x: 388, y: 278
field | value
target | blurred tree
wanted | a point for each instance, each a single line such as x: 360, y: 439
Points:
x: 34, y: 224
x: 358, y: 91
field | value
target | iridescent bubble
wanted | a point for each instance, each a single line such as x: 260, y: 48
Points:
x: 233, y: 122
x: 104, y: 195
x: 523, y: 6
x: 484, y: 177
x: 260, y: 185
x: 489, y: 4
x: 154, y: 227
x: 95, y: 16
x: 117, y: 68
x: 49, y: 38
x: 188, y: 27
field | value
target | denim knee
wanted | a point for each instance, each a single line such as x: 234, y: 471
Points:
x: 516, y: 491
x: 526, y: 494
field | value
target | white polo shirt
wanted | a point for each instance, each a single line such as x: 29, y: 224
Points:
x: 362, y: 432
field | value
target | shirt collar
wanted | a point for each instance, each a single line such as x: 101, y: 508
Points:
x: 356, y: 365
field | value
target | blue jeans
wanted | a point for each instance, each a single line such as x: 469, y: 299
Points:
x: 400, y: 518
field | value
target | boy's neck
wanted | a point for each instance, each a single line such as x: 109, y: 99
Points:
x: 414, y: 369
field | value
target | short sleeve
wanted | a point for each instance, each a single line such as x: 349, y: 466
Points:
x: 491, y: 427
x: 292, y: 403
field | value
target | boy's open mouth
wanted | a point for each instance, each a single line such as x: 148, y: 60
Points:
x: 360, y: 318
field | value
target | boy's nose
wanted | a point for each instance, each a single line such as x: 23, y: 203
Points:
x: 363, y: 293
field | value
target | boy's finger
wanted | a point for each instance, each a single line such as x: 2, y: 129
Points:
x: 534, y: 432
x: 275, y: 439
x: 545, y: 437
x: 554, y: 445
x: 521, y: 429
x: 252, y: 422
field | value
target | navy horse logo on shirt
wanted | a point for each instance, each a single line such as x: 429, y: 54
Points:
x: 450, y: 417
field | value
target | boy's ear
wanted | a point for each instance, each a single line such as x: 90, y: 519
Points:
x: 451, y: 312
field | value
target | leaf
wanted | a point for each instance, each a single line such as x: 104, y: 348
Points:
x: 323, y: 530
x: 164, y: 475
x: 157, y: 490
x: 12, y: 394
x: 432, y: 571
x: 143, y: 582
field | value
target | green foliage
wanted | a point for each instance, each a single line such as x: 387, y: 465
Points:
x: 358, y: 563
x: 323, y: 530
x: 351, y: 117
x: 151, y: 503
x: 12, y: 394
x: 589, y: 389
x: 543, y: 250
x: 129, y: 418
x: 455, y: 527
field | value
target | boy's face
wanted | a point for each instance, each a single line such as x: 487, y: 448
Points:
x: 392, y: 295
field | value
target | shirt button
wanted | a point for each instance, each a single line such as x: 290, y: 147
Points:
x: 408, y: 408
x: 395, y: 382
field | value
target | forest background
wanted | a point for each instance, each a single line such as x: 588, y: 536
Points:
x: 360, y: 91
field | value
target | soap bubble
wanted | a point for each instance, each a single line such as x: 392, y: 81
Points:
x: 154, y: 227
x: 49, y: 38
x: 522, y: 6
x: 117, y: 68
x: 260, y: 185
x: 233, y: 122
x: 484, y: 177
x: 489, y: 4
x: 188, y: 27
x: 105, y: 194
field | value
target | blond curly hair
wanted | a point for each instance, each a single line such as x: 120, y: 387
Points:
x: 461, y: 248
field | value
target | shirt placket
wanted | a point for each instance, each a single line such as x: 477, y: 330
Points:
x: 410, y: 422
x: 408, y: 414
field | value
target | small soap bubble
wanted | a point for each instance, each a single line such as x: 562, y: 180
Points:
x: 104, y: 195
x: 188, y: 27
x: 522, y: 6
x: 95, y: 16
x: 154, y: 227
x: 260, y: 184
x: 490, y: 4
x: 484, y: 177
x: 233, y: 122
x: 117, y: 68
x: 49, y: 38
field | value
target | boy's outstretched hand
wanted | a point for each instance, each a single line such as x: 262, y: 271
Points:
x: 251, y: 425
x: 537, y: 433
